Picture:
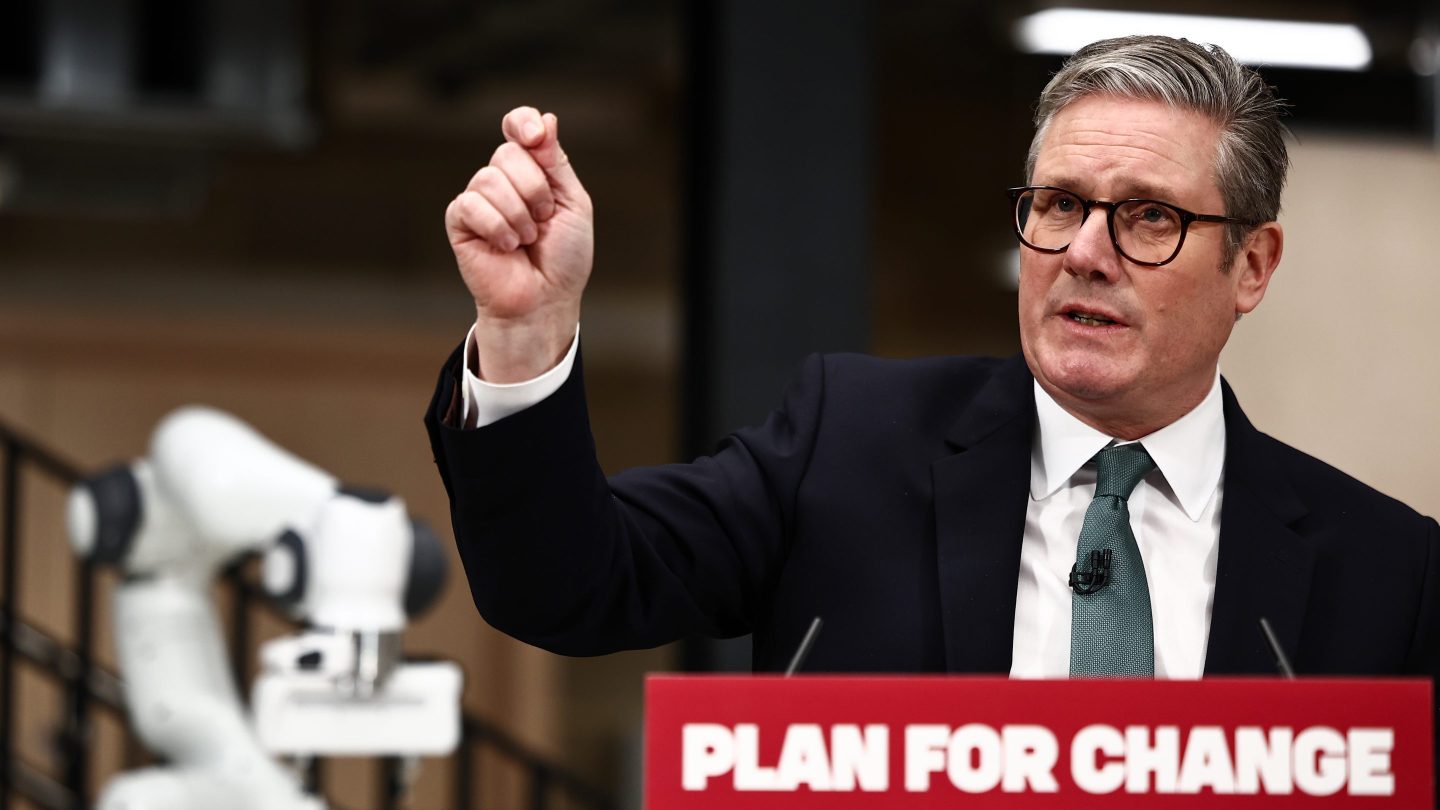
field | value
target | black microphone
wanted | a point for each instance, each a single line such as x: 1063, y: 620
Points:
x: 805, y: 645
x: 1093, y: 578
x: 1282, y: 662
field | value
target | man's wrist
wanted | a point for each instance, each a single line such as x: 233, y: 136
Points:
x: 486, y: 402
x: 504, y: 352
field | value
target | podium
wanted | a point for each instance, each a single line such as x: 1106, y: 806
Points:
x: 898, y: 743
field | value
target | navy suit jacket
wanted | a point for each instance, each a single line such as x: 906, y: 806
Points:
x: 889, y: 498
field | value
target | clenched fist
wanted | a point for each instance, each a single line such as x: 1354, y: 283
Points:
x: 524, y: 238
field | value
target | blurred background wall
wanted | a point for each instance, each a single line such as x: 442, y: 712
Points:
x: 240, y: 204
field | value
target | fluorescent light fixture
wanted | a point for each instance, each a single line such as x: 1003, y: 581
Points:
x: 1278, y: 43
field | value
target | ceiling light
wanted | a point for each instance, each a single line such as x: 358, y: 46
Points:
x: 1277, y: 43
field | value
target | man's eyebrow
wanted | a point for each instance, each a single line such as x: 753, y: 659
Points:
x: 1141, y: 188
x: 1068, y: 183
x: 1130, y: 189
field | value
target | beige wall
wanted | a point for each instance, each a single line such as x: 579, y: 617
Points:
x: 1342, y: 359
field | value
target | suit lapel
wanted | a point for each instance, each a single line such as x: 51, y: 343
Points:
x: 1264, y: 566
x: 980, y: 499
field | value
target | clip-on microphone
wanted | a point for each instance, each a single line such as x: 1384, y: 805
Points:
x: 1094, y: 578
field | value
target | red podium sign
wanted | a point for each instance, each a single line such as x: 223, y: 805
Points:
x: 928, y: 742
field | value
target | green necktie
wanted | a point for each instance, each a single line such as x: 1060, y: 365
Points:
x: 1110, y: 627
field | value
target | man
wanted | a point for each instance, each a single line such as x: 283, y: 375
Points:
x: 1098, y: 505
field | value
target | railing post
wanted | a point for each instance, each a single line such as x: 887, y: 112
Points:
x: 467, y: 767
x: 540, y: 787
x: 390, y: 783
x: 10, y: 535
x: 461, y: 784
x: 77, y: 720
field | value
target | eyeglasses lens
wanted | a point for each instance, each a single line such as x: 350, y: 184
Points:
x: 1145, y: 230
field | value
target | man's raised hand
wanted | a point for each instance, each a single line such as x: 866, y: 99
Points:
x: 523, y: 236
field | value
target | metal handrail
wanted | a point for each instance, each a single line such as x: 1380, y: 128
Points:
x: 88, y: 684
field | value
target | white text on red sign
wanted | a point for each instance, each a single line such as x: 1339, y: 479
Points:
x: 978, y: 758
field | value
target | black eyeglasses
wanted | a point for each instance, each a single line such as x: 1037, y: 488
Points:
x: 1148, y: 232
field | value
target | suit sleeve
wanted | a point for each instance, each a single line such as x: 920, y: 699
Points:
x: 561, y: 557
x: 1424, y: 655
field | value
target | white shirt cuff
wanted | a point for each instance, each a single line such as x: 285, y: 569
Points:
x: 491, y: 402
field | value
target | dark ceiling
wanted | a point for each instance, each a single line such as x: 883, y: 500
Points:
x: 162, y: 86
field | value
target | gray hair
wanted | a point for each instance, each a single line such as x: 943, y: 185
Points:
x: 1250, y: 159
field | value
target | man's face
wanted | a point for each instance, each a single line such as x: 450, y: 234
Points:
x: 1169, y: 322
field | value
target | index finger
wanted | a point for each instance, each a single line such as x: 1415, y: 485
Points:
x: 523, y: 125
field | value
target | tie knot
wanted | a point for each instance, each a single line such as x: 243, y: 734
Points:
x: 1120, y: 468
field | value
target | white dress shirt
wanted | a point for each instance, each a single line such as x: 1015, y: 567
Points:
x: 1175, y: 512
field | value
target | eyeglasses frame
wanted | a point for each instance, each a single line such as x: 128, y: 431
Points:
x: 1186, y: 217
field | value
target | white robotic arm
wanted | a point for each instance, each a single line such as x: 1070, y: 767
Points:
x: 211, y: 490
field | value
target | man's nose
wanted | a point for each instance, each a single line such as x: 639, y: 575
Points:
x: 1092, y: 254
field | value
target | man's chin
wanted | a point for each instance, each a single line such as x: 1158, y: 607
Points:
x: 1085, y: 379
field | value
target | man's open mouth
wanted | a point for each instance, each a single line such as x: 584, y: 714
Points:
x: 1089, y: 319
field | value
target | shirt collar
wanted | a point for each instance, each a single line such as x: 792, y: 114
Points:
x: 1190, y: 451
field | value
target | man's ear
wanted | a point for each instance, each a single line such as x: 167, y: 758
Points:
x: 1255, y: 265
